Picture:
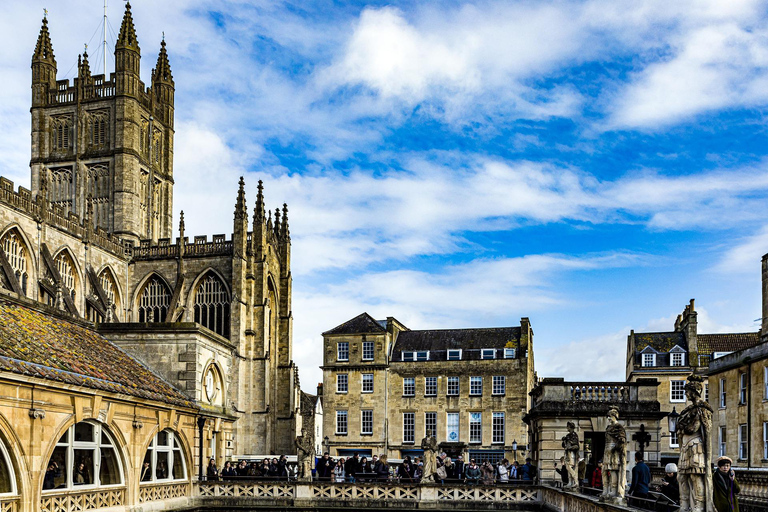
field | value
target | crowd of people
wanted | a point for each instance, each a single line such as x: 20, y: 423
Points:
x: 275, y: 468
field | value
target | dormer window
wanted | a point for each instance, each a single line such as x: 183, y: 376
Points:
x: 509, y: 353
x: 421, y: 355
x: 454, y: 355
x: 677, y: 359
x: 488, y: 353
x: 649, y: 360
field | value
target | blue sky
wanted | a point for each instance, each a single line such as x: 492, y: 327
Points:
x: 591, y: 165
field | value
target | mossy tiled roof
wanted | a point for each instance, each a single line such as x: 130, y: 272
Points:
x: 361, y: 324
x: 731, y: 342
x: 466, y: 339
x: 660, y: 341
x: 40, y: 344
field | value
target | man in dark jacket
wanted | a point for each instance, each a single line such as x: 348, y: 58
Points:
x: 459, y: 468
x: 325, y: 467
x: 669, y: 486
x: 351, y: 467
x: 641, y: 479
x: 562, y: 471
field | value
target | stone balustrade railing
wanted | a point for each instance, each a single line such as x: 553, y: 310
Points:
x: 558, y: 391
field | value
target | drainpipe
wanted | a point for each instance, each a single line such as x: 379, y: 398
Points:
x: 200, y: 427
x: 749, y: 412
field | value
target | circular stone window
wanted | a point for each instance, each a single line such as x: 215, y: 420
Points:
x: 210, y: 385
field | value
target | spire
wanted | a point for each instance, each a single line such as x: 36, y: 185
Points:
x: 241, y: 210
x: 181, y: 227
x: 285, y: 232
x: 44, y: 48
x: 162, y: 71
x: 127, y: 36
x: 277, y: 221
x: 83, y: 68
x: 269, y: 220
x: 258, y: 210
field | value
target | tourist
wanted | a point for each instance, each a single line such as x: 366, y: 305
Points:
x: 228, y: 472
x: 49, y: 481
x: 458, y: 472
x: 597, y: 476
x: 338, y: 471
x: 527, y: 471
x: 146, y: 472
x: 503, y: 470
x: 162, y: 472
x: 282, y: 468
x: 514, y: 472
x: 325, y: 467
x: 405, y: 472
x: 450, y: 469
x: 473, y: 473
x: 418, y: 469
x: 725, y: 487
x: 562, y: 471
x: 670, y: 487
x: 487, y: 473
x: 242, y: 469
x: 382, y: 470
x: 351, y: 467
x: 264, y: 468
x: 254, y: 470
x: 364, y: 474
x: 212, y: 472
x: 641, y: 479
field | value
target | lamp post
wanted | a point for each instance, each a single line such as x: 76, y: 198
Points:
x: 514, y: 448
x: 672, y: 419
x: 326, y: 445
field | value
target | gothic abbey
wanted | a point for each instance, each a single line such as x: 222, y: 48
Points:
x: 91, y: 242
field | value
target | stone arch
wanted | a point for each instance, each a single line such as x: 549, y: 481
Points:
x: 15, y: 457
x: 74, y: 282
x: 116, y: 294
x: 151, y: 456
x: 154, y: 302
x: 209, y: 301
x: 14, y: 230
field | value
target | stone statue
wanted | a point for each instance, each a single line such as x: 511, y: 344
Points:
x: 305, y: 450
x: 693, y: 430
x: 429, y: 445
x: 571, y: 447
x: 614, y: 460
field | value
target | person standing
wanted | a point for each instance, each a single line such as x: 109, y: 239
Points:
x: 669, y: 485
x: 382, y: 471
x: 212, y: 472
x: 325, y: 467
x: 641, y: 479
x: 504, y: 471
x: 228, y: 471
x: 725, y: 487
x: 473, y: 472
x: 351, y: 467
x: 338, y: 471
x: 562, y: 471
x: 597, y: 476
x: 459, y: 468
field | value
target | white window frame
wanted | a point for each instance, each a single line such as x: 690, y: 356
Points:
x: 173, y: 448
x: 409, y: 386
x: 475, y: 427
x: 509, y: 353
x: 765, y: 440
x: 342, y: 383
x: 499, y: 387
x: 430, y: 423
x: 452, y: 421
x: 342, y: 415
x: 721, y: 440
x: 743, y: 388
x: 422, y: 355
x: 680, y: 384
x: 453, y: 355
x: 475, y: 386
x: 673, y: 440
x: 427, y: 386
x: 645, y: 361
x: 366, y: 422
x: 498, y: 426
x: 409, y: 428
x: 368, y: 350
x: 452, y: 382
x: 723, y: 396
x: 340, y: 354
x: 743, y: 442
x: 706, y: 391
x: 367, y: 383
x: 407, y: 355
x: 488, y: 353
x: 11, y: 474
x: 673, y: 356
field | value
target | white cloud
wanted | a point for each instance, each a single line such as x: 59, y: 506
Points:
x: 743, y: 254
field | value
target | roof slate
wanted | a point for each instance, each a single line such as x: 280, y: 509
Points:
x: 467, y: 339
x: 661, y: 341
x: 43, y: 345
x: 711, y: 343
x: 362, y: 323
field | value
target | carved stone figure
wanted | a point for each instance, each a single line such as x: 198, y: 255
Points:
x: 429, y: 445
x: 694, y: 429
x: 571, y: 447
x: 305, y: 449
x: 614, y: 460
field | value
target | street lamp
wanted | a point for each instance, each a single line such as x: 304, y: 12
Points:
x: 672, y: 419
x: 514, y: 448
x: 326, y: 445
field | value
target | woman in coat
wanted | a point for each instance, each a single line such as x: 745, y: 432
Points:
x: 338, y: 471
x: 504, y: 471
x: 382, y: 469
x: 725, y: 487
x: 212, y: 472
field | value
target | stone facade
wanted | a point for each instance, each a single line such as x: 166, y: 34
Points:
x: 671, y: 357
x: 392, y: 384
x: 556, y: 402
x: 92, y: 238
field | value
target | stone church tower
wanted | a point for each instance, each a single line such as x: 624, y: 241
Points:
x: 92, y: 238
x: 111, y: 149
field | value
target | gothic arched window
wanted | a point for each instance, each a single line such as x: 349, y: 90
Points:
x: 59, y: 191
x: 154, y: 301
x: 97, y: 130
x: 66, y: 269
x: 99, y: 193
x: 60, y: 130
x: 85, y: 455
x: 16, y: 253
x: 164, y: 459
x: 7, y: 476
x: 212, y: 304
